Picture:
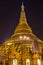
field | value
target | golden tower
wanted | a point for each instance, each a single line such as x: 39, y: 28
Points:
x: 23, y: 47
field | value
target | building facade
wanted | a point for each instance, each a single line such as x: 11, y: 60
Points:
x: 23, y: 47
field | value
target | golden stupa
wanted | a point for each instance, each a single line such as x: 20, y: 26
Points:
x: 23, y: 47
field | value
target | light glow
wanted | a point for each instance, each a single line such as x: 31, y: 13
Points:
x: 27, y: 38
x: 9, y: 43
x: 27, y: 62
x: 39, y: 62
x: 15, y: 62
x: 20, y: 37
x: 24, y: 37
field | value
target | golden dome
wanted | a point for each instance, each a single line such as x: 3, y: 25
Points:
x: 22, y: 27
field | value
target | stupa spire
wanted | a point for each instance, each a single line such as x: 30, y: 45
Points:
x: 22, y: 16
x: 22, y: 7
x: 23, y: 26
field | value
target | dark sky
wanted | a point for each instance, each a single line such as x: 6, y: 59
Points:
x: 10, y: 13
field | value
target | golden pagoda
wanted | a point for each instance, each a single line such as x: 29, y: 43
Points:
x: 23, y: 47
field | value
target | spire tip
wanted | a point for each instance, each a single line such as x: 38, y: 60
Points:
x: 22, y: 7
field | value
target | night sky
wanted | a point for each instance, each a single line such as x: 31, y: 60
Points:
x: 10, y: 14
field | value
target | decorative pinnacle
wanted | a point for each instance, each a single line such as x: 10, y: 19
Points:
x: 22, y: 7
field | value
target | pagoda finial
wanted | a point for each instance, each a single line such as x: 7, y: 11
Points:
x: 23, y: 26
x: 22, y: 7
x: 22, y: 16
